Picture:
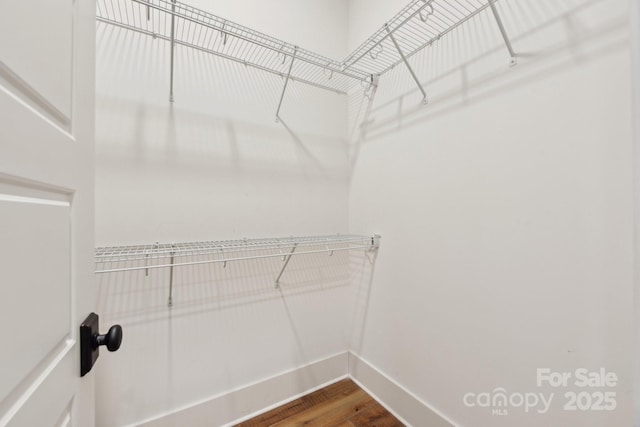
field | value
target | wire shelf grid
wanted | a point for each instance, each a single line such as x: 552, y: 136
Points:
x: 143, y: 257
x: 200, y: 30
x: 418, y: 25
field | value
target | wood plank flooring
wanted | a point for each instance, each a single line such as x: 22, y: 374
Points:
x: 342, y: 404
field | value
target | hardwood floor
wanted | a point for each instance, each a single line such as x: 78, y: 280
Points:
x: 342, y: 404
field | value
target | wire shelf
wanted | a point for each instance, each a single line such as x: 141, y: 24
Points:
x: 200, y: 30
x: 143, y: 257
x: 418, y: 25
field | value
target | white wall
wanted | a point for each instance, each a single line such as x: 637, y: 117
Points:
x: 202, y: 167
x: 634, y: 12
x: 214, y: 165
x: 505, y: 208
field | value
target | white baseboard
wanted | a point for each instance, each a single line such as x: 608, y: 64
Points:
x: 403, y: 404
x: 244, y: 403
x: 247, y: 402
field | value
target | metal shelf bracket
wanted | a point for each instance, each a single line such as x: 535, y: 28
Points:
x: 170, y: 301
x: 286, y: 82
x: 284, y: 266
x: 505, y: 36
x: 375, y: 242
x: 375, y: 79
x: 404, y: 59
x: 173, y: 48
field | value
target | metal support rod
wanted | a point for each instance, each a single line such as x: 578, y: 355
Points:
x: 375, y: 79
x: 286, y: 262
x: 404, y: 59
x: 505, y: 36
x: 173, y: 47
x: 379, y: 42
x: 365, y: 120
x: 286, y: 82
x: 146, y: 259
x: 170, y: 302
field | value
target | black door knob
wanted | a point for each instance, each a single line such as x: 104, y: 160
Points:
x: 111, y: 339
x: 91, y: 340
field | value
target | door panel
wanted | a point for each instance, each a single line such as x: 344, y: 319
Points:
x: 39, y: 229
x: 46, y: 210
x: 50, y: 397
x: 37, y: 52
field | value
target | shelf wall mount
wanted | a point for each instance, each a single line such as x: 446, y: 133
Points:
x: 503, y: 32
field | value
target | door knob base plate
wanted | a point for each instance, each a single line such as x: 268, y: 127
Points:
x: 88, y: 350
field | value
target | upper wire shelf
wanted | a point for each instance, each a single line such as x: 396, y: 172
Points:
x: 206, y: 32
x: 419, y: 24
x: 416, y: 26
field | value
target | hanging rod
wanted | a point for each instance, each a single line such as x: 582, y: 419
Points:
x: 209, y: 33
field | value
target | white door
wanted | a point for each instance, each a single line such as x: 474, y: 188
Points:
x: 46, y: 210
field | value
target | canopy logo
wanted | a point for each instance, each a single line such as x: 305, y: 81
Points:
x: 499, y: 401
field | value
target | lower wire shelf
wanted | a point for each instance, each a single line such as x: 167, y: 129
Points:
x: 115, y: 259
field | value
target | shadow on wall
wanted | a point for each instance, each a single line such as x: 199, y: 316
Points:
x: 133, y: 66
x: 223, y: 116
x: 471, y: 63
x: 205, y: 164
x: 362, y: 270
x: 229, y: 327
x: 142, y: 295
x: 157, y: 134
